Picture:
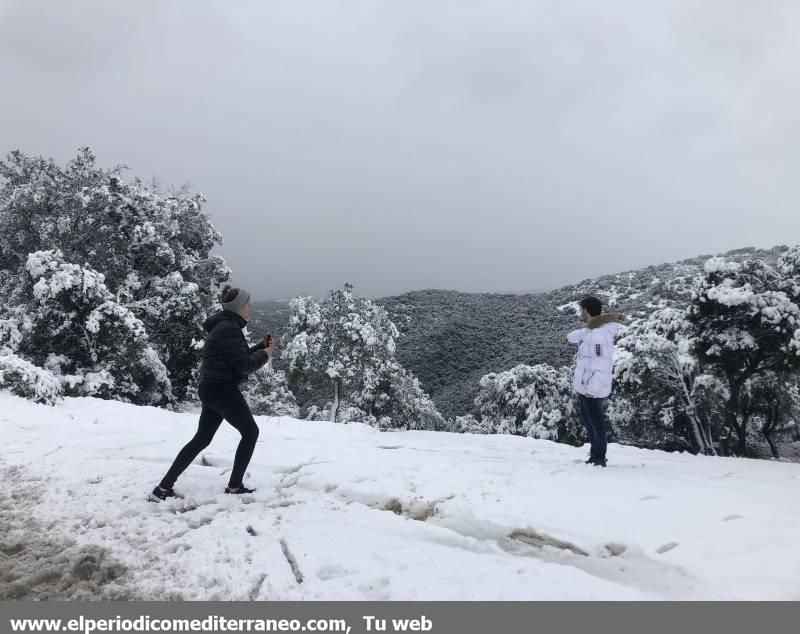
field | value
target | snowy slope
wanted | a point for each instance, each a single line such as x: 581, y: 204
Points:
x: 345, y: 512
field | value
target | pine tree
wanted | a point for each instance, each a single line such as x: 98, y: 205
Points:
x: 349, y: 343
x: 656, y: 370
x: 339, y: 341
x: 746, y: 322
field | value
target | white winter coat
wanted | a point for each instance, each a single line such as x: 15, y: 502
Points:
x: 594, y: 369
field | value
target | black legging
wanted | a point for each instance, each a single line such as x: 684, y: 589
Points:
x: 220, y: 400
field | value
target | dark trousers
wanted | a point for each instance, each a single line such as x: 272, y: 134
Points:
x: 220, y: 400
x: 594, y: 420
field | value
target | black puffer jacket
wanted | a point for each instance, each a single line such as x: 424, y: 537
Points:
x: 226, y: 357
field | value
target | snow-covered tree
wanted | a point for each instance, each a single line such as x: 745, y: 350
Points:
x: 746, y: 322
x: 655, y: 369
x: 79, y: 330
x: 772, y: 400
x: 535, y: 401
x: 349, y: 344
x: 338, y: 341
x: 390, y: 393
x: 789, y: 266
x: 268, y: 394
x: 152, y: 249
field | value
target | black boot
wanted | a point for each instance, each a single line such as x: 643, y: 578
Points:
x: 238, y: 490
x: 599, y: 462
x: 159, y: 494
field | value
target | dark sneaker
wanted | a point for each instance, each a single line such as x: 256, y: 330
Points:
x: 159, y: 494
x: 238, y: 490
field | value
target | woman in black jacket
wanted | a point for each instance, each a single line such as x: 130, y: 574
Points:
x: 227, y: 361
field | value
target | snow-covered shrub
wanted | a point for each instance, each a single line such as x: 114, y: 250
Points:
x: 268, y: 394
x: 535, y: 401
x: 25, y: 379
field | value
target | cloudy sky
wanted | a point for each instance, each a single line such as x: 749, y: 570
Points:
x: 399, y: 145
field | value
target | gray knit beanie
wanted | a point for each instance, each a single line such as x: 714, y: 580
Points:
x: 238, y: 302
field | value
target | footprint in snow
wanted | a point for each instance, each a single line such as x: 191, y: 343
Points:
x: 649, y: 497
x: 326, y: 573
x: 730, y: 518
x: 615, y: 549
x: 665, y: 548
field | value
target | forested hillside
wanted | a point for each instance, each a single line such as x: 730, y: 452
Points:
x: 449, y: 340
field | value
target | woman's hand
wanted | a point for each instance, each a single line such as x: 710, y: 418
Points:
x: 269, y: 344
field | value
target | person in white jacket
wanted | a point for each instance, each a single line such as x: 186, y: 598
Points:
x: 594, y: 372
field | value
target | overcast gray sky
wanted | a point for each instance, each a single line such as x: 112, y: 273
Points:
x: 470, y: 145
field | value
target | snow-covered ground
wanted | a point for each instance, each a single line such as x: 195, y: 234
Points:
x: 346, y: 512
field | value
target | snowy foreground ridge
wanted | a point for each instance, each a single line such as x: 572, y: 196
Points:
x: 346, y: 512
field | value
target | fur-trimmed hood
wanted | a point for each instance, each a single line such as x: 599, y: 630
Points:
x: 602, y: 320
